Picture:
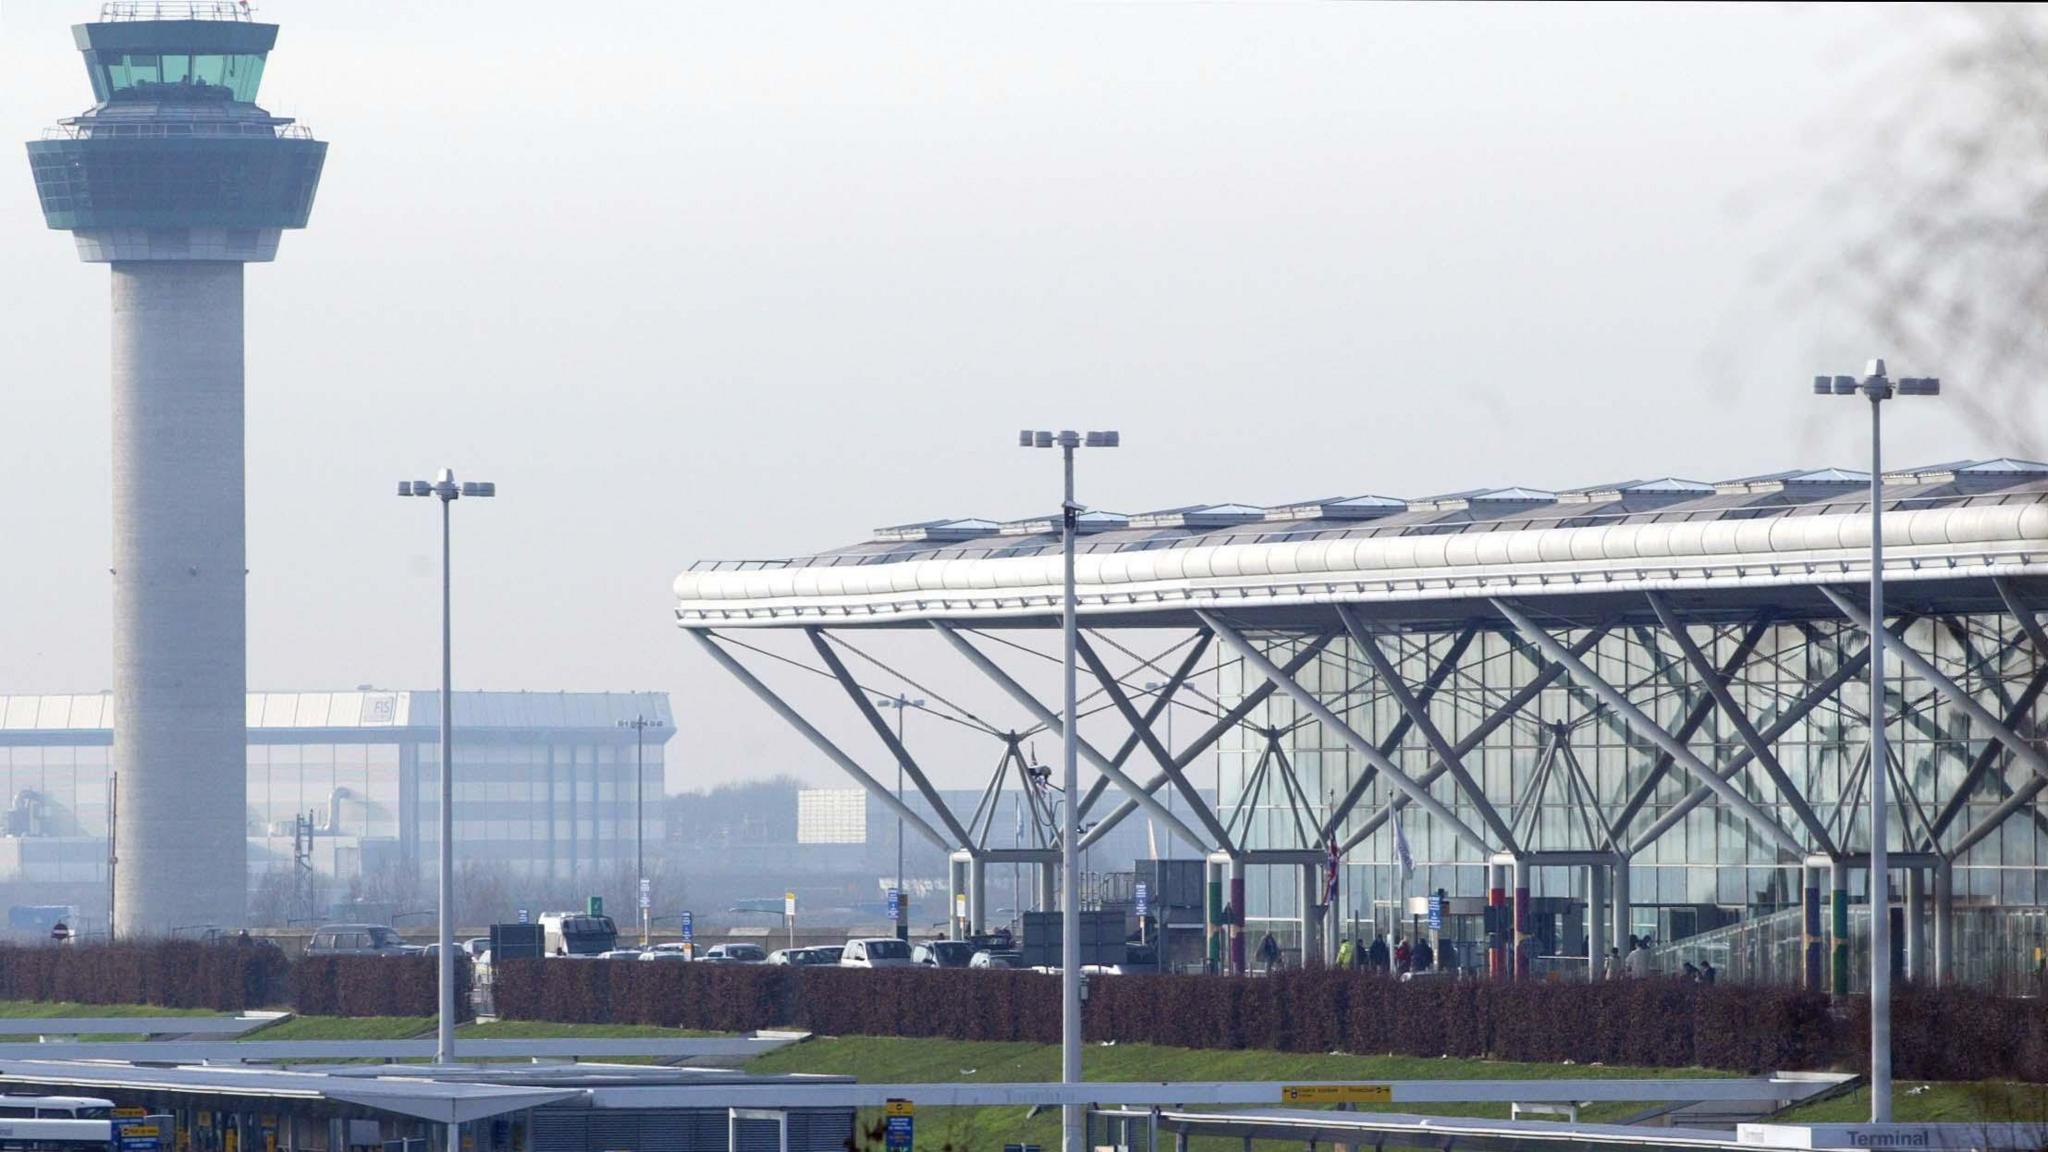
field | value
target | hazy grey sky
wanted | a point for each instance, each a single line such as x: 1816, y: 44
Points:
x: 747, y: 280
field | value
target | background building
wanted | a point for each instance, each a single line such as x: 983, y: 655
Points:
x: 343, y: 793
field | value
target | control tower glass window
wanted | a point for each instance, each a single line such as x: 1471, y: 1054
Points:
x: 155, y: 75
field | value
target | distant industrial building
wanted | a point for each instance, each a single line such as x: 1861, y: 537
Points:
x: 348, y: 783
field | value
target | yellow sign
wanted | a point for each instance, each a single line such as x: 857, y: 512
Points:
x: 139, y: 1132
x: 124, y: 1113
x: 1337, y: 1094
x: 899, y: 1108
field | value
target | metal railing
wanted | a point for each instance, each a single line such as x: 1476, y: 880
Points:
x: 180, y: 131
x: 121, y: 10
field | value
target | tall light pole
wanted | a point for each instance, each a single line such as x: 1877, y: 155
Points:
x: 445, y: 487
x: 1875, y: 387
x: 899, y: 703
x: 1156, y: 686
x: 640, y: 725
x: 1072, y: 1138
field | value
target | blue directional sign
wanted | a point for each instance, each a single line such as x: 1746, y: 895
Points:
x: 1142, y: 893
x: 1436, y: 913
x: 895, y: 904
x: 689, y: 927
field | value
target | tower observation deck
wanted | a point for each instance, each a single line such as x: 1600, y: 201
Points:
x: 176, y: 178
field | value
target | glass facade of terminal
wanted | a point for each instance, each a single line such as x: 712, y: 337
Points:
x: 544, y: 782
x: 1710, y: 864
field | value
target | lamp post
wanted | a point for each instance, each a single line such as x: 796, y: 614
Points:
x: 899, y: 703
x: 1072, y: 1139
x: 1877, y: 388
x: 1156, y: 686
x: 640, y: 725
x: 448, y: 491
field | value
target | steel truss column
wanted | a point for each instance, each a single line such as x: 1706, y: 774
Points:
x: 1208, y: 738
x: 1418, y: 716
x: 1944, y: 922
x: 1498, y: 926
x: 818, y: 740
x: 1345, y: 732
x: 1519, y: 958
x: 1650, y: 729
x: 1815, y: 940
x: 1838, y: 927
x: 1717, y: 690
x: 1341, y: 811
x: 1919, y: 665
x: 1702, y: 707
x: 1624, y: 920
x: 1547, y: 673
x: 1916, y: 924
x: 1800, y: 709
x: 1596, y: 919
x: 1161, y: 701
x: 1143, y: 731
x: 888, y: 735
x: 1053, y: 724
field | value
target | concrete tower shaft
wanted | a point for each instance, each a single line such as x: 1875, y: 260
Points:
x: 180, y: 646
x: 176, y: 178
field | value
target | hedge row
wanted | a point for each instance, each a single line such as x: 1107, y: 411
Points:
x: 1937, y: 1035
x: 371, y: 986
x: 230, y: 977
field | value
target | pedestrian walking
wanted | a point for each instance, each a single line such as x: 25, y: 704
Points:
x: 1269, y: 953
x: 1377, y: 955
x: 1402, y: 954
x: 1613, y: 970
x: 1347, y: 954
x: 1425, y: 957
x: 1446, y: 956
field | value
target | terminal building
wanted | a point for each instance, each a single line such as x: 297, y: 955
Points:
x: 349, y: 782
x: 1633, y: 709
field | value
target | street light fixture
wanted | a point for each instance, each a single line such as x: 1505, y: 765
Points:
x: 1072, y: 1139
x: 1155, y: 687
x: 1876, y: 387
x: 448, y: 492
x: 640, y: 725
x: 899, y: 703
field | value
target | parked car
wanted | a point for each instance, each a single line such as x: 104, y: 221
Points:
x: 356, y: 940
x: 875, y: 952
x: 794, y: 956
x: 736, y: 954
x: 943, y: 954
x: 829, y: 953
x: 988, y: 958
x: 666, y: 952
x: 620, y: 954
x: 476, y: 946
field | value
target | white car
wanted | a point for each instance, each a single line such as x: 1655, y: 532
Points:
x: 876, y: 952
x: 667, y: 952
x: 736, y: 954
x: 620, y: 954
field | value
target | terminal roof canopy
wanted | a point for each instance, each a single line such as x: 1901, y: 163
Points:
x: 1755, y: 536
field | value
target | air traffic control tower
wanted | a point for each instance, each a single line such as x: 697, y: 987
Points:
x: 174, y: 180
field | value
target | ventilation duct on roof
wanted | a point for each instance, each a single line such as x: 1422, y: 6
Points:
x: 1089, y: 520
x: 1200, y: 516
x: 1339, y: 508
x: 938, y: 531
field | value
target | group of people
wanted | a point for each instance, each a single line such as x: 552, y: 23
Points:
x: 1640, y: 963
x: 1404, y: 956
